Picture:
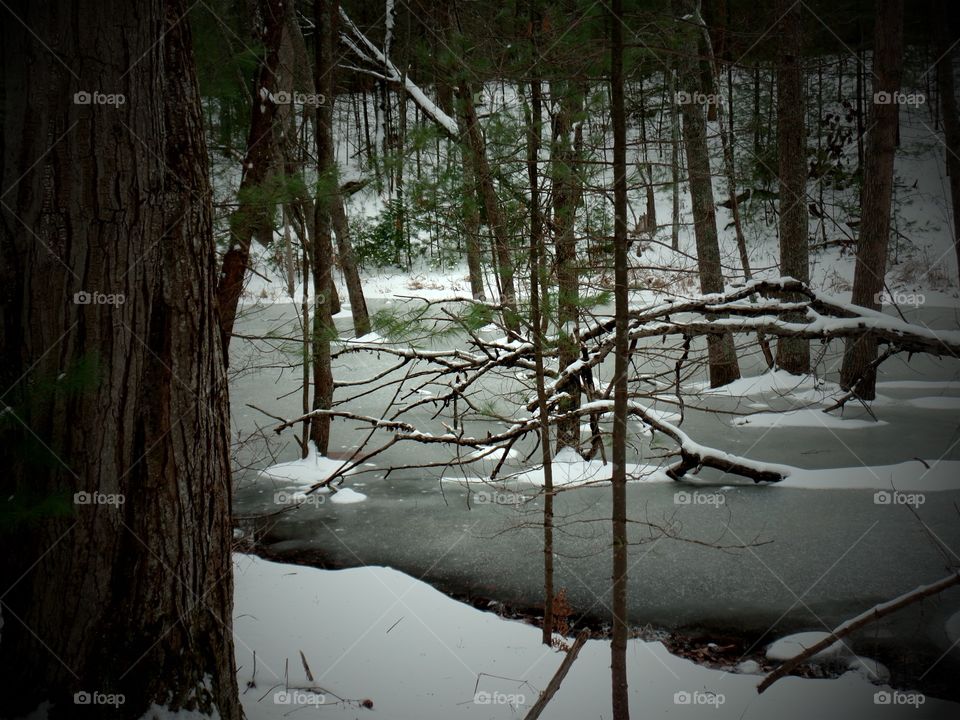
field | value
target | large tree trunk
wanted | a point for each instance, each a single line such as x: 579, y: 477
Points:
x: 720, y: 349
x: 871, y: 266
x: 793, y: 354
x: 618, y: 480
x: 566, y: 197
x: 326, y: 14
x: 951, y: 122
x: 110, y: 400
x: 254, y: 213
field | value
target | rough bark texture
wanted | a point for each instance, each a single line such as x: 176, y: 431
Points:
x: 951, y: 121
x: 118, y: 399
x: 567, y: 190
x: 721, y: 351
x: 618, y: 480
x: 871, y: 266
x: 326, y: 13
x: 253, y: 216
x: 793, y: 354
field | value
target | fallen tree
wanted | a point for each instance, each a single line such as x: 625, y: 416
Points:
x: 454, y: 383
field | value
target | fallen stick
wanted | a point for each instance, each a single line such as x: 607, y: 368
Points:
x: 849, y: 626
x: 558, y: 676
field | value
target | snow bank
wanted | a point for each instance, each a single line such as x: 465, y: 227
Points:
x: 911, y: 476
x: 773, y: 381
x: 807, y: 417
x: 375, y: 633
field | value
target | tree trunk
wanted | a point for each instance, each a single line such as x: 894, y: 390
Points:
x: 326, y: 13
x: 566, y: 196
x: 484, y: 178
x: 951, y: 123
x: 618, y: 480
x: 534, y: 122
x: 871, y: 265
x: 107, y: 400
x: 471, y: 217
x: 348, y: 264
x: 721, y: 351
x: 793, y: 354
x: 254, y: 214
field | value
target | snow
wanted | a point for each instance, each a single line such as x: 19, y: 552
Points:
x: 772, y: 381
x: 789, y: 647
x: 807, y: 417
x: 312, y: 469
x: 910, y: 476
x: 375, y: 633
x: 347, y: 496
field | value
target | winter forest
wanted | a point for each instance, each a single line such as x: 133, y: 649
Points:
x: 438, y: 359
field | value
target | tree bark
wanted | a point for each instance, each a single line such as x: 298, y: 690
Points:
x: 103, y: 401
x: 618, y: 479
x: 326, y: 14
x: 793, y: 354
x: 871, y: 264
x: 951, y: 123
x: 254, y: 215
x: 722, y: 355
x: 567, y: 190
x: 484, y: 178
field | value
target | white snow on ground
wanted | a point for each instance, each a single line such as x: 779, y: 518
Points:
x: 807, y: 417
x: 919, y: 385
x: 792, y: 645
x: 347, y: 496
x: 309, y: 470
x: 772, y: 381
x: 375, y: 633
x: 910, y: 476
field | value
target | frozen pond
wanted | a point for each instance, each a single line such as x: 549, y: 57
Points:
x: 813, y: 557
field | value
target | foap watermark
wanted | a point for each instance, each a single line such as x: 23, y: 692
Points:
x: 699, y: 697
x: 898, y: 297
x: 898, y: 98
x: 485, y: 497
x: 297, y: 498
x: 84, y: 697
x: 95, y: 97
x: 498, y: 698
x: 682, y: 97
x: 85, y: 297
x: 283, y: 97
x: 298, y: 697
x: 895, y: 697
x: 895, y: 497
x: 682, y: 497
x: 98, y: 498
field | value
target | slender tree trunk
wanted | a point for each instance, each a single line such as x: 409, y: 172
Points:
x: 254, y: 215
x: 951, y: 122
x: 871, y: 265
x: 793, y: 354
x: 471, y: 220
x: 533, y: 117
x: 116, y: 570
x: 484, y: 178
x: 326, y: 13
x: 674, y: 158
x: 618, y: 644
x: 348, y: 263
x: 720, y: 348
x: 566, y: 196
